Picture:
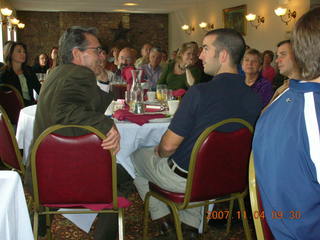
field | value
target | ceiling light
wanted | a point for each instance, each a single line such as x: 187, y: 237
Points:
x: 120, y: 10
x: 130, y: 4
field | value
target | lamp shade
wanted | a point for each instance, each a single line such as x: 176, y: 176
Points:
x: 280, y: 11
x: 6, y: 12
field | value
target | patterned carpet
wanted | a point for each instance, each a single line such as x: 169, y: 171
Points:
x: 63, y: 229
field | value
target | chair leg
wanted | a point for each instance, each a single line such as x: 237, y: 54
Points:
x: 205, y: 220
x: 177, y: 222
x: 231, y: 204
x: 48, y: 225
x: 35, y: 224
x: 146, y: 216
x: 120, y: 222
x: 246, y: 227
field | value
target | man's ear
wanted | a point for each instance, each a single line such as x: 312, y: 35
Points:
x: 76, y: 53
x: 223, y: 56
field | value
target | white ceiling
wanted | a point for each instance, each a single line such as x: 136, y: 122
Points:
x: 145, y: 6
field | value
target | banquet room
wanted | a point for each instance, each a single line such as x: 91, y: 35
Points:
x: 138, y: 68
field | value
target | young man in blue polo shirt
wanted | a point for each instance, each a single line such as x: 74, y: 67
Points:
x: 225, y: 96
x: 286, y: 144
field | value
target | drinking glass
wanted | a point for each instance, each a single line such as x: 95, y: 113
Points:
x: 158, y: 91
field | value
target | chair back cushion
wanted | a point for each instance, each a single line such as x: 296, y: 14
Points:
x: 11, y: 103
x: 221, y: 165
x: 73, y: 170
x: 7, y: 149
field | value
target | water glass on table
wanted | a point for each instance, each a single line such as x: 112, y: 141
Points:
x: 158, y: 91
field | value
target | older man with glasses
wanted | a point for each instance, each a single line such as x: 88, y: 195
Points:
x: 70, y: 95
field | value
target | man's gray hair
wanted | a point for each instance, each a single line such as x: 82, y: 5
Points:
x: 71, y: 38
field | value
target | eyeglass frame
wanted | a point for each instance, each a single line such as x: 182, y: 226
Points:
x: 98, y: 50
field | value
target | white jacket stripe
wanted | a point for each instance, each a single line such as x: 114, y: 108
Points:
x: 312, y: 130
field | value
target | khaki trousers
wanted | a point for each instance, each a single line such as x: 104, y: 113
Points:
x: 150, y: 167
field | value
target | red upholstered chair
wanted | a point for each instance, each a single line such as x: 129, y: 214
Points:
x: 9, y: 152
x: 74, y: 172
x: 218, y: 170
x: 12, y: 102
x: 263, y: 231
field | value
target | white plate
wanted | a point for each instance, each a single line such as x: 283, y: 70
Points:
x: 160, y: 120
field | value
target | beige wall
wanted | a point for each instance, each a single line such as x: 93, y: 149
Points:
x: 265, y: 37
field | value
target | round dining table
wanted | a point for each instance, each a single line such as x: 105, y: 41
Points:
x: 132, y: 136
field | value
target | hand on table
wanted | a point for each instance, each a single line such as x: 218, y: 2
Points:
x: 112, y: 141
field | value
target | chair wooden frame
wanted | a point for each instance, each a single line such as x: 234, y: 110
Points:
x: 38, y: 207
x: 175, y: 207
x: 18, y: 155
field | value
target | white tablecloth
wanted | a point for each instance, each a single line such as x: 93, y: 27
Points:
x: 14, y: 216
x: 132, y: 135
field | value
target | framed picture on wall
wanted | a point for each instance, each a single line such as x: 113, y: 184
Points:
x: 235, y: 18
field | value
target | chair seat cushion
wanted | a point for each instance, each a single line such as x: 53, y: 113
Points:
x: 173, y: 196
x: 122, y: 203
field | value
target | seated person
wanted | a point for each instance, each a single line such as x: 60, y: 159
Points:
x: 286, y: 143
x: 41, y: 63
x: 144, y: 59
x: 268, y: 71
x: 152, y: 70
x: 106, y: 76
x: 181, y: 72
x: 251, y: 65
x: 126, y: 60
x: 204, y: 104
x: 112, y: 59
x: 16, y: 73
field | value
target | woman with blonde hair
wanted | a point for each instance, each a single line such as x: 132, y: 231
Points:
x: 181, y: 72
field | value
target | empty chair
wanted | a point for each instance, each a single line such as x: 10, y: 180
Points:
x: 74, y: 172
x: 218, y: 170
x: 12, y: 101
x: 10, y: 154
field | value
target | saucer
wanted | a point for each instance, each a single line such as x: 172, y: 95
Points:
x: 160, y: 120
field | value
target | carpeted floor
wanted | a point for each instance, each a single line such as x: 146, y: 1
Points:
x: 63, y: 229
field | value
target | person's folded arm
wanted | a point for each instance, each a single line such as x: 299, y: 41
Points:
x: 169, y: 144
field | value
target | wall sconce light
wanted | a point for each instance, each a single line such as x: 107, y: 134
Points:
x: 6, y: 12
x: 285, y: 17
x: 187, y: 29
x: 14, y: 21
x: 206, y: 26
x: 254, y: 20
x: 21, y: 25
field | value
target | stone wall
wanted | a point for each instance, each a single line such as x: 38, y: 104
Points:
x: 43, y: 29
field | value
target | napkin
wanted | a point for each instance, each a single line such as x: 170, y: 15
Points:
x: 179, y: 92
x: 140, y: 119
x: 153, y: 108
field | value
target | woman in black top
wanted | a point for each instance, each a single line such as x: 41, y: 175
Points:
x: 16, y: 73
x: 41, y: 63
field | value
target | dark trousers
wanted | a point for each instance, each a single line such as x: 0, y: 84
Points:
x: 107, y: 223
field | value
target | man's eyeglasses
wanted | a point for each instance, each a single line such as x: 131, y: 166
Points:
x: 98, y: 50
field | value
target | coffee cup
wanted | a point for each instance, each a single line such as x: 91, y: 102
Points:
x: 173, y: 106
